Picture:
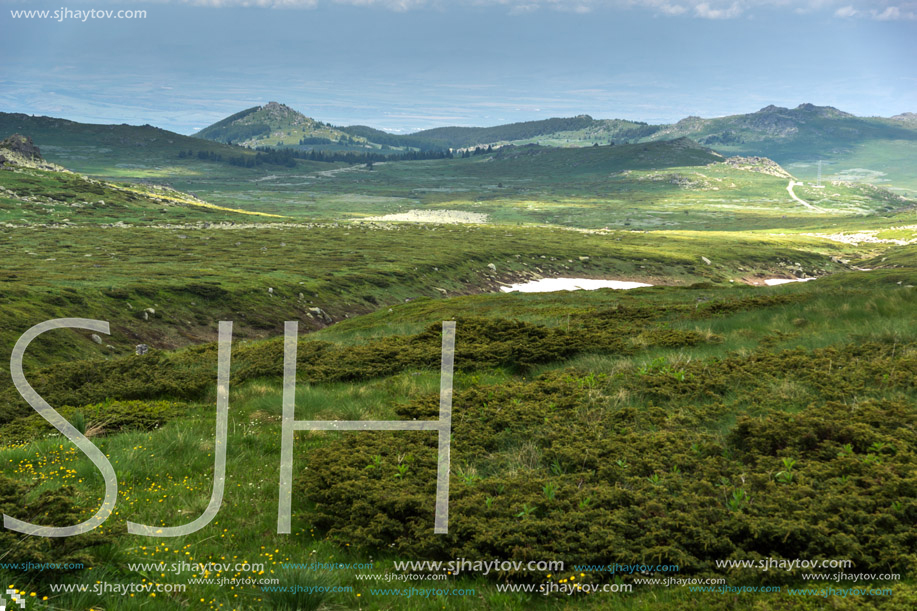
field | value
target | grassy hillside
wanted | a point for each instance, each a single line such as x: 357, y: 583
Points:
x: 880, y: 150
x: 274, y: 125
x: 582, y: 128
x: 868, y: 149
x: 112, y: 149
x: 807, y: 127
x: 465, y: 137
x: 588, y: 428
x: 39, y: 197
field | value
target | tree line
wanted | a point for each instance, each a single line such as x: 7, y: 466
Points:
x: 287, y: 157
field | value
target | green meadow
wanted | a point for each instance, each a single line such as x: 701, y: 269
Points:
x: 589, y: 428
x: 707, y: 418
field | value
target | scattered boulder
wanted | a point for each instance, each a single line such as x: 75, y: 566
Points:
x: 95, y: 338
x: 141, y: 349
x: 706, y: 260
x: 322, y: 315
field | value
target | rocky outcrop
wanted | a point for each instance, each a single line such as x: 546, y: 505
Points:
x: 762, y: 165
x: 22, y: 146
x: 19, y: 150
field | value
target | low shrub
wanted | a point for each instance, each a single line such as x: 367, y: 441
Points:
x: 99, y: 419
x: 53, y: 508
x: 551, y: 468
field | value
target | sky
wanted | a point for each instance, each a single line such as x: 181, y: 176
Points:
x: 405, y: 65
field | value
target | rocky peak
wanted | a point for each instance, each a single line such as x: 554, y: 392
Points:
x: 906, y: 117
x: 822, y: 111
x: 277, y: 109
x: 691, y: 122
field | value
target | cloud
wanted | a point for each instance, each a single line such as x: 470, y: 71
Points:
x: 896, y: 13
x: 846, y: 12
x: 889, y: 14
x: 664, y: 7
x: 706, y: 11
x: 393, y: 5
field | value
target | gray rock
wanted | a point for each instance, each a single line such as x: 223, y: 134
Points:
x: 320, y: 313
x: 95, y: 338
x: 141, y: 349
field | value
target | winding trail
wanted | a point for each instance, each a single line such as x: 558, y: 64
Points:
x: 789, y: 189
x: 350, y: 168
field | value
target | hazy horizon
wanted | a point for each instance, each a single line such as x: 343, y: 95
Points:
x: 408, y: 65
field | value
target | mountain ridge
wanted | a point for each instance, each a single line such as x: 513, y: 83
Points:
x: 770, y: 122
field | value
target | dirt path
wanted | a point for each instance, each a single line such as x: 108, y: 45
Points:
x: 789, y: 189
